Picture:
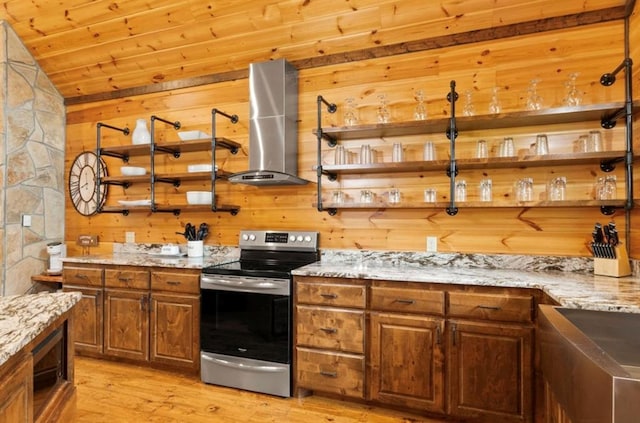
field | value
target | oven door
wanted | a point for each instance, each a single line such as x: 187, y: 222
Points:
x: 246, y: 317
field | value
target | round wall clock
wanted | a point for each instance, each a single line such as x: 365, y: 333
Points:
x: 83, y: 187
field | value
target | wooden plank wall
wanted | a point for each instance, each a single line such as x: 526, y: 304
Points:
x: 508, y: 63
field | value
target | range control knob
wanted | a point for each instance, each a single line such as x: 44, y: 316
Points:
x: 252, y: 237
x: 307, y: 238
x: 292, y: 238
x: 245, y: 237
x: 299, y: 238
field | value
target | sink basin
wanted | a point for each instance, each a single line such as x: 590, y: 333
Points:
x: 618, y: 334
x: 590, y: 361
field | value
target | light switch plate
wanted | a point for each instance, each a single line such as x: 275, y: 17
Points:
x: 130, y: 237
x: 432, y: 244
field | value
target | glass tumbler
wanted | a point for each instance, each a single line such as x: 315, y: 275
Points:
x: 397, y: 154
x: 595, y: 141
x: 481, y: 149
x: 394, y: 195
x: 430, y: 195
x: 341, y: 157
x: 507, y: 148
x: 524, y: 189
x: 429, y: 152
x: 557, y: 189
x: 365, y: 154
x: 461, y: 190
x: 542, y: 145
x: 485, y: 190
x: 366, y: 196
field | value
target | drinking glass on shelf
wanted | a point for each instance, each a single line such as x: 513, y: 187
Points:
x: 524, y: 189
x: 384, y: 115
x: 468, y: 109
x: 485, y: 190
x: 595, y: 141
x: 397, y: 154
x: 606, y: 188
x: 366, y: 196
x: 583, y: 144
x: 481, y: 149
x: 420, y: 112
x: 394, y: 196
x: 430, y: 195
x: 350, y: 112
x: 341, y: 156
x: 542, y: 145
x: 461, y: 190
x: 534, y: 101
x: 337, y: 197
x: 573, y: 97
x: 365, y: 154
x: 494, y: 106
x: 429, y: 152
x: 507, y: 147
x: 557, y: 189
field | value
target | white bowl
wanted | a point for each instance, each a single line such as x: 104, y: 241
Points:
x: 199, y: 197
x: 200, y: 168
x: 192, y: 135
x: 132, y: 170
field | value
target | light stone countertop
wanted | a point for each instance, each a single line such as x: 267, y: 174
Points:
x: 23, y: 317
x: 571, y: 289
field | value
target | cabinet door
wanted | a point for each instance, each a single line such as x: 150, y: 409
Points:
x: 490, y: 371
x: 126, y: 324
x: 16, y: 392
x: 407, y: 361
x: 87, y: 321
x: 175, y: 337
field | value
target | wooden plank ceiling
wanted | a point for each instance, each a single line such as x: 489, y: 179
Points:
x: 90, y: 48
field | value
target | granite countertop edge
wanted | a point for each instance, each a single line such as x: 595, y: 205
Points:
x: 24, y: 317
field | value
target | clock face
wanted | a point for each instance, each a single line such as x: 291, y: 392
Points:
x: 85, y: 194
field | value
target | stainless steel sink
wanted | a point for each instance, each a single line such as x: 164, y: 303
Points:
x: 591, y: 361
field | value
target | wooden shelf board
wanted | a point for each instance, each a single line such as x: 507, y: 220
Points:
x: 477, y: 204
x: 493, y: 162
x: 181, y: 146
x: 481, y: 122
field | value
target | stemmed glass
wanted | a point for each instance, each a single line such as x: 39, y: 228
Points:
x: 573, y: 97
x: 494, y: 106
x: 534, y: 101
x: 350, y: 112
x: 468, y: 109
x: 384, y: 116
x: 420, y: 112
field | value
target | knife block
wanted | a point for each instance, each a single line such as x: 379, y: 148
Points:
x: 617, y: 267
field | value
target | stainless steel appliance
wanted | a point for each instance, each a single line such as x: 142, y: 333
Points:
x: 246, y: 309
x: 273, y: 125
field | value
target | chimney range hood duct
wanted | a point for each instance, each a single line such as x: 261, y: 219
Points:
x: 273, y: 126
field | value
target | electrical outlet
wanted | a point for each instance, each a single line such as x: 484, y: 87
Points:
x: 432, y: 244
x: 26, y: 220
x: 130, y: 237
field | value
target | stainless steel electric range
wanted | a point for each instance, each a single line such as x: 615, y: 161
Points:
x: 246, y: 309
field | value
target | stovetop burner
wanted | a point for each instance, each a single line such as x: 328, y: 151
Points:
x: 270, y: 254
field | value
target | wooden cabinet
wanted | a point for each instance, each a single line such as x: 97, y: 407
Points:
x: 406, y: 347
x: 142, y: 314
x: 175, y: 318
x: 330, y: 336
x: 465, y: 352
x: 88, y: 333
x: 16, y: 390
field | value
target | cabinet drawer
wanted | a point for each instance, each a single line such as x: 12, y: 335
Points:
x: 126, y: 278
x: 491, y: 306
x: 409, y: 300
x: 188, y: 283
x: 330, y: 372
x: 339, y: 295
x: 335, y: 329
x: 85, y: 276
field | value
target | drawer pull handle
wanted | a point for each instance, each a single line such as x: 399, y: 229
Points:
x: 123, y: 279
x: 328, y: 374
x: 485, y: 307
x: 329, y: 330
x: 81, y: 276
x: 175, y: 283
x: 403, y: 301
x: 329, y: 296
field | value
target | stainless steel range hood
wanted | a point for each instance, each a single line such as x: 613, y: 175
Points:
x: 273, y: 126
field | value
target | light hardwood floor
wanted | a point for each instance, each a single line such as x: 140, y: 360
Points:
x: 113, y: 392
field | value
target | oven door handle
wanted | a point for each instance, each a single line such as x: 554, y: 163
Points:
x: 246, y: 367
x: 246, y: 284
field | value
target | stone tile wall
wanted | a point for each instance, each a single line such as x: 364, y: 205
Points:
x: 32, y: 144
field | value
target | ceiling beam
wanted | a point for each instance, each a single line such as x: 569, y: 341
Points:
x: 482, y: 35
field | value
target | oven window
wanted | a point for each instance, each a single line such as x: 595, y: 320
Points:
x: 246, y: 325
